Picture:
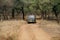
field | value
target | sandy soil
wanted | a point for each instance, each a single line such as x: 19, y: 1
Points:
x: 32, y: 32
x: 21, y: 30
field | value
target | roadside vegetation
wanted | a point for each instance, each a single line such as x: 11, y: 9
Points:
x: 48, y: 10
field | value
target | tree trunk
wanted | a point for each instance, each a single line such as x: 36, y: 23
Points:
x: 23, y: 12
x: 13, y: 14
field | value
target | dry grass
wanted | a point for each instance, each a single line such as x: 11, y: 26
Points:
x: 56, y: 38
x: 52, y: 28
x: 9, y: 30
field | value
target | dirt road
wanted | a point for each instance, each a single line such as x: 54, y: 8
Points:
x: 32, y: 32
x: 25, y: 31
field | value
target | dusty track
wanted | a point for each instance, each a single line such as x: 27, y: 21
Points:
x: 32, y: 32
x: 27, y: 31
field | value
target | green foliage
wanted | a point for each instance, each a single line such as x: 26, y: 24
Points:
x: 34, y: 5
x: 58, y: 8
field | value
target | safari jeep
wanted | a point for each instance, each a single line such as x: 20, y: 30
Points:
x: 31, y: 19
